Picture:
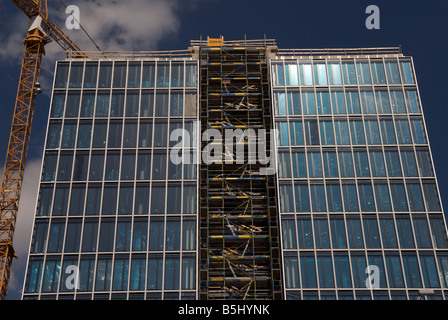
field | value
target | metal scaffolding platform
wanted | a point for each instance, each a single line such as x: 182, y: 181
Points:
x: 239, y: 253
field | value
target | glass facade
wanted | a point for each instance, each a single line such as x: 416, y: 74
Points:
x: 111, y: 204
x: 356, y: 180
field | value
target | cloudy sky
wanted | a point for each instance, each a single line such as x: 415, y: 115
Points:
x: 418, y: 26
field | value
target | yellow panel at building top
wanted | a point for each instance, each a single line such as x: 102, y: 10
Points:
x: 215, y: 42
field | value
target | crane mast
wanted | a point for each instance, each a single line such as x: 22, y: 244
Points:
x: 39, y: 32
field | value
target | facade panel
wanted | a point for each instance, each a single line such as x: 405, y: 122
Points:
x: 356, y: 180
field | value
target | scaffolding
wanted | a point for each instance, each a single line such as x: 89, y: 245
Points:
x: 239, y: 253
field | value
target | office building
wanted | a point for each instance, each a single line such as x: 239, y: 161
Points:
x: 347, y: 179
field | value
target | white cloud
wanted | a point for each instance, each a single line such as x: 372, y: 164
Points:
x: 130, y: 25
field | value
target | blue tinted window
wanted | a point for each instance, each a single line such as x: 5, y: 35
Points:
x: 148, y: 74
x: 335, y: 73
x: 350, y: 197
x: 107, y: 232
x: 91, y: 75
x: 291, y: 73
x: 357, y: 132
x: 156, y: 235
x: 321, y: 234
x: 405, y: 233
x: 429, y: 271
x: 330, y: 164
x: 90, y: 236
x: 353, y: 104
x: 172, y: 273
x: 398, y: 195
x: 388, y: 234
x: 173, y: 228
x: 121, y: 271
x: 377, y: 260
x: 294, y: 104
x: 394, y: 273
x: 308, y: 103
x: 102, y: 104
x: 54, y: 135
x: 305, y: 233
x: 409, y: 165
x: 382, y: 197
x: 58, y: 105
x: 326, y: 132
x: 412, y: 271
x: 438, y: 232
x: 138, y: 273
x: 342, y: 271
x: 338, y: 237
x: 302, y: 197
x: 421, y: 230
x: 103, y: 273
x: 372, y: 132
x: 72, y: 107
x: 393, y: 164
x: 73, y: 237
x: 382, y: 102
x: 371, y: 233
x: 387, y: 132
x: 348, y: 71
x: 291, y: 272
x: 286, y: 198
x: 397, y: 101
x: 334, y: 200
x: 406, y: 72
x: 317, y: 192
x: 51, y: 275
x: 424, y: 163
x: 61, y: 75
x: 140, y: 235
x: 361, y: 164
x: 56, y: 237
x: 189, y: 234
x: 84, y: 134
x: 279, y: 77
x: 354, y: 232
x: 403, y: 132
x: 289, y: 234
x: 308, y: 272
x: 123, y: 241
x: 359, y: 266
x: 431, y: 197
x: 393, y: 75
x: 367, y: 102
x: 346, y: 164
x: 314, y: 165
x: 306, y: 74
x: 155, y: 272
x: 415, y: 197
x: 325, y: 268
x: 377, y: 164
x: 296, y: 133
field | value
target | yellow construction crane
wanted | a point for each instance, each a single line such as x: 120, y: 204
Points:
x: 40, y: 31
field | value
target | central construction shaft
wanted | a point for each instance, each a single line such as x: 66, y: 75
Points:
x: 239, y: 253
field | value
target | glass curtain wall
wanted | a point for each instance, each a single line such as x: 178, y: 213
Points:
x: 356, y: 180
x: 112, y: 205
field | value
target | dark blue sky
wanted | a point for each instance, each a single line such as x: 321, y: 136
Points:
x: 420, y: 27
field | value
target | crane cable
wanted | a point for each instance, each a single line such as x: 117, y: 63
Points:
x: 85, y: 31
